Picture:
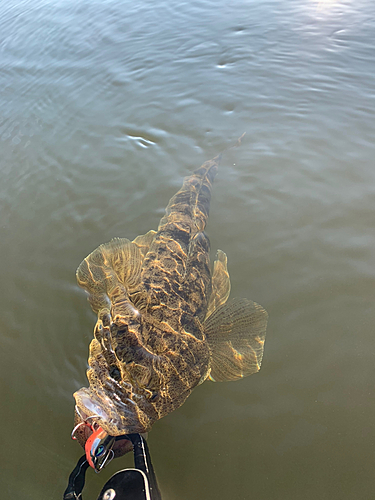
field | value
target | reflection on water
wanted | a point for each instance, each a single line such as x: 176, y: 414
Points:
x: 105, y: 106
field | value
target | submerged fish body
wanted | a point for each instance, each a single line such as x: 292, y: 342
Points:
x: 164, y: 321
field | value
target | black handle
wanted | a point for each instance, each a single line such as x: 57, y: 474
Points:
x: 76, y: 480
x: 142, y: 461
x: 129, y: 484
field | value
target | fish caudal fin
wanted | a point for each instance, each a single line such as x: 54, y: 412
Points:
x: 192, y: 201
x: 236, y: 333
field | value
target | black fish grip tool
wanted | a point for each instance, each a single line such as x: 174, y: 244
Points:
x: 138, y: 483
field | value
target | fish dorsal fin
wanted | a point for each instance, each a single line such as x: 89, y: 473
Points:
x: 115, y: 263
x: 235, y: 333
x: 220, y: 284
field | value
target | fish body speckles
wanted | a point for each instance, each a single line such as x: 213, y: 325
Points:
x: 165, y: 323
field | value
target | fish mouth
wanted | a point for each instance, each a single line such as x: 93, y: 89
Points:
x: 82, y: 433
x: 90, y: 408
x: 116, y: 417
x: 98, y: 410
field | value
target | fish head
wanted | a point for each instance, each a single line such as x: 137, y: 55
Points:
x: 98, y: 421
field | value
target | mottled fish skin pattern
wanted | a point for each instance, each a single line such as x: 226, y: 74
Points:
x: 152, y: 296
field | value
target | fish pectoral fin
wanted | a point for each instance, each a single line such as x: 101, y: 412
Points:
x: 144, y: 241
x: 236, y: 333
x: 220, y: 284
x: 112, y: 264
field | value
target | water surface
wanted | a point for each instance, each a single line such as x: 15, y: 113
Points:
x: 104, y: 107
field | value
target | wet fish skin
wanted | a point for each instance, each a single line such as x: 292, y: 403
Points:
x: 157, y: 335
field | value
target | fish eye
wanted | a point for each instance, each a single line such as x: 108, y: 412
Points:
x: 100, y: 450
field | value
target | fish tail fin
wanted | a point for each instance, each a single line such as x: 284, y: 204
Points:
x: 189, y: 208
x: 192, y: 202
